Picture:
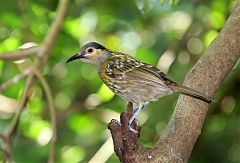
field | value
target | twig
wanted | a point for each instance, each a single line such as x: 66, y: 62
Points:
x: 11, y: 56
x: 14, y: 80
x: 7, y: 149
x: 51, y: 37
x: 49, y: 96
x: 43, y: 54
x: 21, y: 105
x: 45, y: 51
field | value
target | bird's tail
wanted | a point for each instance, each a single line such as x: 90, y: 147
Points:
x: 191, y: 92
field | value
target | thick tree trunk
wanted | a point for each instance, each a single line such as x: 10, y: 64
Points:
x: 184, y: 128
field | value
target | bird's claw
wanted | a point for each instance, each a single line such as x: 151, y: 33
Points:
x: 116, y: 122
x: 129, y: 125
x: 132, y: 130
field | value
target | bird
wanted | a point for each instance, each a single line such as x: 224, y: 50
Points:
x: 132, y: 79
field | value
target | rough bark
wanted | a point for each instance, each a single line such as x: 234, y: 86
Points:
x: 184, y: 127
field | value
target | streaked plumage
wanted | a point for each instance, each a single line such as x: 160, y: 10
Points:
x: 130, y: 78
x: 133, y: 80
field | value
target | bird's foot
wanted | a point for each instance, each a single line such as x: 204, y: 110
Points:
x: 135, y: 121
x: 132, y: 130
x: 134, y: 115
x: 145, y: 105
x: 116, y: 122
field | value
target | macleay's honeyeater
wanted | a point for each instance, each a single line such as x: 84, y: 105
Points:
x: 130, y: 78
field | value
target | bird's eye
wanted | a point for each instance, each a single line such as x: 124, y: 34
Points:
x: 89, y: 50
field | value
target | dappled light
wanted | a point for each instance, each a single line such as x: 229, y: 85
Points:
x: 58, y: 112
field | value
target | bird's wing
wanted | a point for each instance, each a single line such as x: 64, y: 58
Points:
x: 156, y: 72
x: 123, y: 67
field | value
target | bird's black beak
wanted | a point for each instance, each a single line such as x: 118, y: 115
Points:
x: 76, y: 56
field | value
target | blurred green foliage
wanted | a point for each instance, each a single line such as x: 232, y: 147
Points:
x: 172, y: 35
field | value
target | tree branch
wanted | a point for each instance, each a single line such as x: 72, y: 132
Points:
x: 178, y: 139
x: 20, y: 106
x: 46, y: 49
x: 125, y: 142
x: 50, y: 100
x: 43, y: 54
x: 11, y: 56
x: 14, y: 80
x: 51, y: 37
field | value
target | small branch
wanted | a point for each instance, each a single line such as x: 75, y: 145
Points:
x: 14, y: 80
x: 51, y: 37
x: 43, y: 53
x: 7, y: 149
x: 125, y: 142
x: 50, y: 100
x: 22, y: 104
x: 11, y: 56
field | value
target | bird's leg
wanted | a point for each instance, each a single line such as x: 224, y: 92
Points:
x: 134, y: 115
x: 145, y: 105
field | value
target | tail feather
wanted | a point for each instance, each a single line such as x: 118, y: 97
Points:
x: 191, y: 92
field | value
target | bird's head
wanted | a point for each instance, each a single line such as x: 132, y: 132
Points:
x: 93, y: 53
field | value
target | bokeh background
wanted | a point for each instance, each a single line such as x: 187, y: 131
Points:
x: 171, y: 35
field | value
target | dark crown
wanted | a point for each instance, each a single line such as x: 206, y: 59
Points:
x: 93, y: 44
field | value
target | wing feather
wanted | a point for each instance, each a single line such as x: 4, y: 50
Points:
x: 133, y: 80
x: 124, y: 67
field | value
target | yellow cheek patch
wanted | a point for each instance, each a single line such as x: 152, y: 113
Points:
x: 95, y: 56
